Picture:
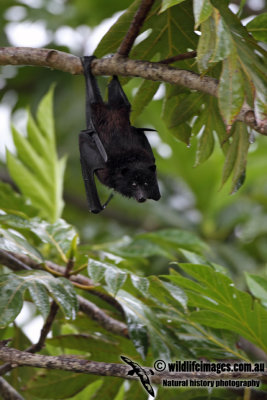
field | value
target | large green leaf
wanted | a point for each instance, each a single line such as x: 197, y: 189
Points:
x: 236, y: 157
x: 174, y: 26
x: 16, y: 242
x: 231, y: 91
x: 258, y: 27
x: 202, y: 10
x: 220, y: 305
x: 36, y: 169
x: 59, y: 235
x: 258, y: 286
x: 41, y: 284
x: 143, y: 322
x: 58, y: 384
x: 12, y: 201
x: 251, y: 56
x: 176, y: 238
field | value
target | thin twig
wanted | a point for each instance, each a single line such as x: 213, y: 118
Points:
x: 8, y: 392
x: 134, y: 29
x: 40, y: 344
x: 179, y: 57
x: 45, y: 329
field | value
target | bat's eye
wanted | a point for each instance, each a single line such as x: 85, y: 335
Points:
x: 145, y: 184
x: 134, y: 184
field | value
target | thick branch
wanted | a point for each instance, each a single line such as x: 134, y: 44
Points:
x: 109, y: 323
x: 110, y: 369
x: 121, y: 66
x: 135, y: 27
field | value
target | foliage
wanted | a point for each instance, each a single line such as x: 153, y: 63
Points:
x: 161, y: 262
x: 224, y: 43
x: 36, y: 169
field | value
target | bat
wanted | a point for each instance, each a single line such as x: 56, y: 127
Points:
x: 113, y: 150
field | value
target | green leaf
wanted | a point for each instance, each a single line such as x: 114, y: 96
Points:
x: 241, y: 156
x: 220, y: 305
x: 143, y: 96
x: 224, y: 41
x: 46, y: 120
x: 141, y: 283
x: 169, y: 3
x: 177, y: 238
x: 231, y: 91
x: 39, y: 283
x: 59, y: 235
x: 162, y: 29
x: 257, y: 286
x: 10, y: 201
x: 206, y: 143
x: 141, y: 320
x: 258, y: 27
x: 115, y: 279
x: 36, y: 169
x: 11, y: 295
x: 136, y: 321
x: 58, y: 384
x: 202, y: 11
x: 252, y: 57
x: 167, y: 293
x: 16, y: 242
x: 96, y: 270
x: 206, y: 44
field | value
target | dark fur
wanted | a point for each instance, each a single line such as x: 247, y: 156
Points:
x: 118, y: 153
x: 130, y: 167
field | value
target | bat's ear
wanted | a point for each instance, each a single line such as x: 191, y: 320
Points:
x: 116, y: 96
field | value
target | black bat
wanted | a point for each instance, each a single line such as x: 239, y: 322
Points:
x: 118, y: 153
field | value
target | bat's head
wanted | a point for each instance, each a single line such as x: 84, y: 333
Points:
x: 139, y: 182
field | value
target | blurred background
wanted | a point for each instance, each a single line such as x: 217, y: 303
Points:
x: 234, y: 226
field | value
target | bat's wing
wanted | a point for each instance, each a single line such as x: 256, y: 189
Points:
x: 116, y: 96
x: 92, y: 92
x: 93, y: 155
x: 144, y: 141
x: 91, y: 160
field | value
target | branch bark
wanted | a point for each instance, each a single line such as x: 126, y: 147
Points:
x: 134, y: 29
x: 8, y: 392
x: 122, y: 66
x: 73, y: 364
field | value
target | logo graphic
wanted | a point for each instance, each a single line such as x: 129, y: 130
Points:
x: 141, y: 373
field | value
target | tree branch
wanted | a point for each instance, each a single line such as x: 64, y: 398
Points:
x: 45, y: 329
x: 107, y: 322
x: 179, y: 57
x: 8, y: 392
x: 122, y: 66
x: 73, y: 364
x: 134, y: 28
